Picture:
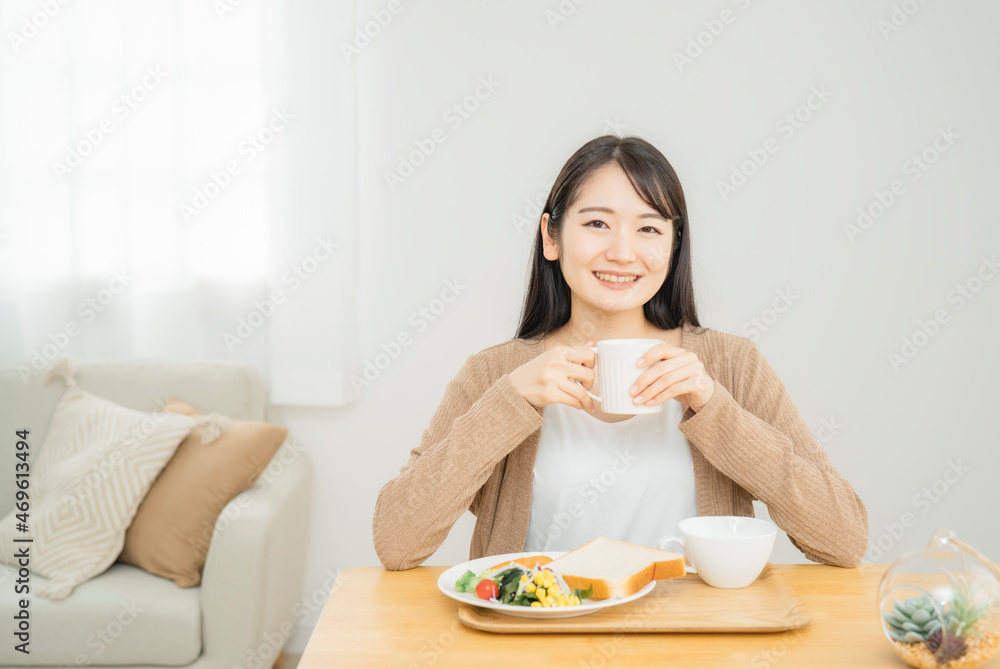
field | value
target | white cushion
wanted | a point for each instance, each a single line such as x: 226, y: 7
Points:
x: 228, y: 388
x: 98, y: 462
x: 125, y: 616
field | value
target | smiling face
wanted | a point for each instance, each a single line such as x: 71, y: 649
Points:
x: 613, y: 249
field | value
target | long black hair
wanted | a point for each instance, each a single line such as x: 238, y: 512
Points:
x: 548, y: 300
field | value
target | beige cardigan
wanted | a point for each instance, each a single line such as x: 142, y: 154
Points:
x: 748, y: 442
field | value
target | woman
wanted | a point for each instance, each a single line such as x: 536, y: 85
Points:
x: 519, y: 442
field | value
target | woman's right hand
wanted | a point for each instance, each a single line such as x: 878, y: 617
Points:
x: 552, y: 377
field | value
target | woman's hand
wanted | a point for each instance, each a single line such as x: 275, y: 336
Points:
x: 675, y: 374
x: 551, y: 378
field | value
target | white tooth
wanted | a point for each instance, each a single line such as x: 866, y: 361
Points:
x: 615, y: 279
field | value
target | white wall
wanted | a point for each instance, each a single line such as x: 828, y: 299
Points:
x: 898, y: 430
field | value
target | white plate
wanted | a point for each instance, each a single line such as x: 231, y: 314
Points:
x: 447, y: 579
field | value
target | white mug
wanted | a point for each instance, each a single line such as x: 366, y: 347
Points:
x: 725, y: 551
x: 617, y: 373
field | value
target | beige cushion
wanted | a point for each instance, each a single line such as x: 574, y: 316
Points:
x: 97, y: 463
x: 173, y: 527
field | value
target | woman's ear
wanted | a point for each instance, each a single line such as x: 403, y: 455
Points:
x: 549, y: 248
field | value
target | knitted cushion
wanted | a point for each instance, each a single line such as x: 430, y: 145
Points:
x: 173, y: 527
x: 96, y: 465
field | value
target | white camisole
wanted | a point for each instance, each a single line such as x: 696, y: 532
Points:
x: 631, y: 480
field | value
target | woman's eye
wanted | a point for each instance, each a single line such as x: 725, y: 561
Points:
x: 597, y: 222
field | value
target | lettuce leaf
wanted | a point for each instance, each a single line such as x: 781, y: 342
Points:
x: 507, y: 582
x: 467, y: 582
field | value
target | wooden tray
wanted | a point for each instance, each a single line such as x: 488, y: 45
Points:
x: 683, y: 604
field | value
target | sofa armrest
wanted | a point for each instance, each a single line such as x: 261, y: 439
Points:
x: 253, y: 575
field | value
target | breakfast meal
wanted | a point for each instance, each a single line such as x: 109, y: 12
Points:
x: 522, y: 582
x: 601, y: 569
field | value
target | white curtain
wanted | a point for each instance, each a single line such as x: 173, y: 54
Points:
x: 177, y: 180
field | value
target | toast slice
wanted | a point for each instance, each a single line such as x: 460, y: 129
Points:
x: 616, y: 568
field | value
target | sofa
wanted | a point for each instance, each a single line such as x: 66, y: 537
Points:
x: 244, y: 609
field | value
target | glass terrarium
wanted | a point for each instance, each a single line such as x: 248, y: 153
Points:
x: 939, y: 605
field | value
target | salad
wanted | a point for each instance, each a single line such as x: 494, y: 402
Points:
x: 516, y: 583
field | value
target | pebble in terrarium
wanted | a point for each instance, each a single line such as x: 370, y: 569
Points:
x: 940, y: 605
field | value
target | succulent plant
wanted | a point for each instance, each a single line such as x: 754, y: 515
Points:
x: 963, y: 614
x: 915, y: 620
x: 912, y: 620
x: 952, y: 648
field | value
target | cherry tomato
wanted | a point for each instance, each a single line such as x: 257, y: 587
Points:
x: 487, y: 589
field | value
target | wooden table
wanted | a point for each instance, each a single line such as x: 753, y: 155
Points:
x: 378, y: 618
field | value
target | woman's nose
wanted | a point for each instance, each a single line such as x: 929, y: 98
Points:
x: 622, y: 249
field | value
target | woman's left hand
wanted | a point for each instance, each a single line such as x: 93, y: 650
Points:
x: 675, y: 374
